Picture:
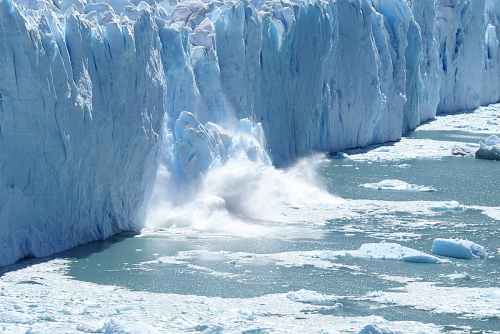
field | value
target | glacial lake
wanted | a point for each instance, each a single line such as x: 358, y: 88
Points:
x: 245, y: 267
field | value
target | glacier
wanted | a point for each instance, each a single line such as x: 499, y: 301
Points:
x: 94, y: 96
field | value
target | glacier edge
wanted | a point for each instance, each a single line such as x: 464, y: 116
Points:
x: 88, y: 88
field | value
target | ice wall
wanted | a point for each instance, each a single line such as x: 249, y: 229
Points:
x: 327, y: 75
x: 87, y: 89
x: 81, y: 108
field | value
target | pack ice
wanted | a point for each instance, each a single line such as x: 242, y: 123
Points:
x: 90, y: 91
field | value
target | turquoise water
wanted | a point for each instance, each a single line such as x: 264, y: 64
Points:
x: 464, y: 179
x: 204, y: 264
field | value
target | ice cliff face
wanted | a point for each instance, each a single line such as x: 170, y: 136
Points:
x: 87, y: 91
x: 80, y: 112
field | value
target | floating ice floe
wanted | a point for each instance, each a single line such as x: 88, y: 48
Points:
x: 48, y: 303
x: 494, y: 294
x: 469, y: 303
x: 490, y: 149
x: 392, y: 251
x: 397, y: 185
x: 308, y: 296
x: 457, y: 276
x: 129, y: 327
x: 376, y: 329
x: 462, y: 150
x: 404, y: 149
x: 14, y: 317
x: 182, y: 323
x: 481, y: 120
x: 458, y: 248
x: 258, y: 330
x: 446, y: 206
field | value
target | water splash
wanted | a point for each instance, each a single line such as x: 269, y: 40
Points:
x: 224, y: 183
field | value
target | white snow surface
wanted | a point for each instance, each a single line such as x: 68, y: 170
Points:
x: 91, y: 94
x: 484, y: 119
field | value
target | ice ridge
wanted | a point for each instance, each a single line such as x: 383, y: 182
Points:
x: 87, y: 90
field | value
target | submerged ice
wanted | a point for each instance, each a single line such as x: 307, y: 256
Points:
x: 98, y: 97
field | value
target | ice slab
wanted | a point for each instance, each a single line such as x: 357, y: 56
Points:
x: 458, y: 276
x: 447, y: 206
x: 308, y: 296
x: 128, y: 327
x: 392, y: 251
x: 471, y: 303
x: 405, y: 149
x: 376, y: 329
x: 458, y: 248
x: 397, y: 185
x: 480, y: 120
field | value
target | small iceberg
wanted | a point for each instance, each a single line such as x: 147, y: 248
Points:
x: 392, y: 251
x: 447, y: 206
x: 458, y: 248
x: 460, y: 150
x: 456, y: 276
x: 376, y: 329
x: 397, y: 185
x: 490, y: 149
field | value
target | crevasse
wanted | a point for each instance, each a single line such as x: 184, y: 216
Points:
x: 90, y: 92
